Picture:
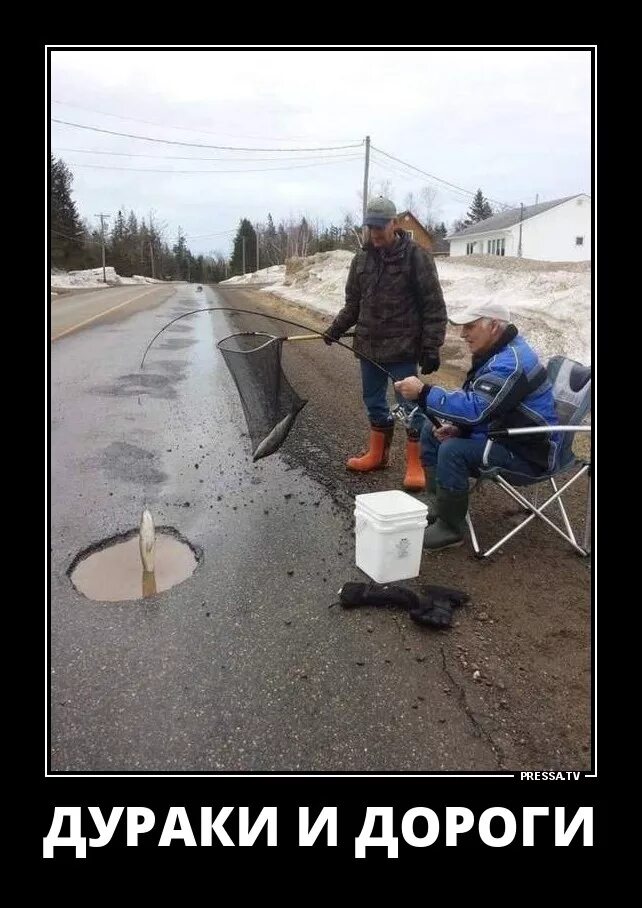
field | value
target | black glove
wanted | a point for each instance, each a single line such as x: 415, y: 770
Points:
x: 430, y: 362
x: 436, y: 604
x: 439, y: 614
x: 329, y: 337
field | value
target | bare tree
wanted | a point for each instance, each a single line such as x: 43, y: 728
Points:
x: 410, y: 203
x: 296, y: 237
x: 429, y: 208
x: 386, y: 189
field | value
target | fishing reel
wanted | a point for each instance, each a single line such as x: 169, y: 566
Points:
x: 404, y: 415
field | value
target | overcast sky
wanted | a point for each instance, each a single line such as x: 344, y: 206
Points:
x: 516, y: 123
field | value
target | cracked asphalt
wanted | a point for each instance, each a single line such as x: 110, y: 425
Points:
x: 250, y: 665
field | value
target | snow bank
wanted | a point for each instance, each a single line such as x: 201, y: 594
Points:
x: 93, y: 277
x: 272, y: 275
x: 551, y: 308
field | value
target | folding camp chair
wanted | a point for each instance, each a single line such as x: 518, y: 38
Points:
x: 571, y: 384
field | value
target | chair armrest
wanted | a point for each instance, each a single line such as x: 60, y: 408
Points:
x: 537, y: 430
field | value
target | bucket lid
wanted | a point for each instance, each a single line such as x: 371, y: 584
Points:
x: 388, y: 505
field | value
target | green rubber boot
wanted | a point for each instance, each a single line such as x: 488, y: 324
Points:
x: 450, y: 526
x: 431, y: 496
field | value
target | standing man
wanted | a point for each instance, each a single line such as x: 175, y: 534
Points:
x: 394, y: 298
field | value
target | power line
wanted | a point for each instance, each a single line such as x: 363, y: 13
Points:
x: 128, y: 135
x: 82, y: 237
x: 455, y: 194
x: 461, y: 194
x: 203, y: 236
x: 104, y: 113
x: 85, y: 237
x: 244, y: 170
x: 172, y: 157
x: 438, y: 179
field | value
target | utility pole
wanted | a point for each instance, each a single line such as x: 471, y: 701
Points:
x: 257, y: 247
x: 151, y: 255
x: 537, y: 198
x: 365, y: 179
x: 243, y: 255
x: 521, y: 215
x: 102, y: 237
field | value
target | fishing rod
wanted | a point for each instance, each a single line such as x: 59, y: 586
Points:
x: 398, y: 411
x: 276, y: 318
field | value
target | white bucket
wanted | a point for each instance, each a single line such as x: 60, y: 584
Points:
x: 389, y: 533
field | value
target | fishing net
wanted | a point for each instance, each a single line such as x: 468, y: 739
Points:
x: 269, y: 402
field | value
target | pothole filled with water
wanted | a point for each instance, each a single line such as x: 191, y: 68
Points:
x: 112, y: 571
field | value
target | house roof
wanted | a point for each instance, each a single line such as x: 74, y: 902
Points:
x: 510, y: 218
x: 402, y: 214
x: 440, y: 245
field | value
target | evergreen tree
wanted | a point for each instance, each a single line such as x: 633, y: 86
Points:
x: 270, y: 247
x: 144, y: 261
x: 326, y: 241
x: 181, y: 265
x: 155, y: 247
x: 67, y: 231
x: 349, y: 239
x: 132, y: 244
x: 282, y: 243
x: 118, y: 257
x: 166, y: 263
x: 216, y: 268
x: 479, y: 210
x: 245, y: 231
x: 92, y: 256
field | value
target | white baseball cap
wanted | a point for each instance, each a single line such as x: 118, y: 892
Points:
x: 488, y: 309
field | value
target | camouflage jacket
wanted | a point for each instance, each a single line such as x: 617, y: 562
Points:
x: 396, y: 302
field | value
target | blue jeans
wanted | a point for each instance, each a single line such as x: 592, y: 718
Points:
x: 456, y: 459
x: 374, y: 383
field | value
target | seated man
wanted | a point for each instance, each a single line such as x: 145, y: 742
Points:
x: 506, y: 387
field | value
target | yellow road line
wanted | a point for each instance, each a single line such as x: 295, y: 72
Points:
x: 100, y: 314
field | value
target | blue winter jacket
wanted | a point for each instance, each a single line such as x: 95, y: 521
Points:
x: 508, y: 388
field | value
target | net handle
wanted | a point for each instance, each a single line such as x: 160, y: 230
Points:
x: 270, y: 338
x: 309, y: 337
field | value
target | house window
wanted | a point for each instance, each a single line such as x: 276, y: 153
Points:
x: 579, y: 240
x: 470, y: 248
x: 411, y: 233
x: 501, y: 247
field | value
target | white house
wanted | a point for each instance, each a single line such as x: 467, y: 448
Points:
x: 557, y: 231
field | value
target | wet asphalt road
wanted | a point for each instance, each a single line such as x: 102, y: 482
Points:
x: 80, y: 309
x: 248, y: 665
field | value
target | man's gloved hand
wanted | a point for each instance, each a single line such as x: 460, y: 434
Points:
x: 430, y: 362
x: 329, y: 337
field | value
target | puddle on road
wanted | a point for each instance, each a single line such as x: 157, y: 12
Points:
x: 113, y: 572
